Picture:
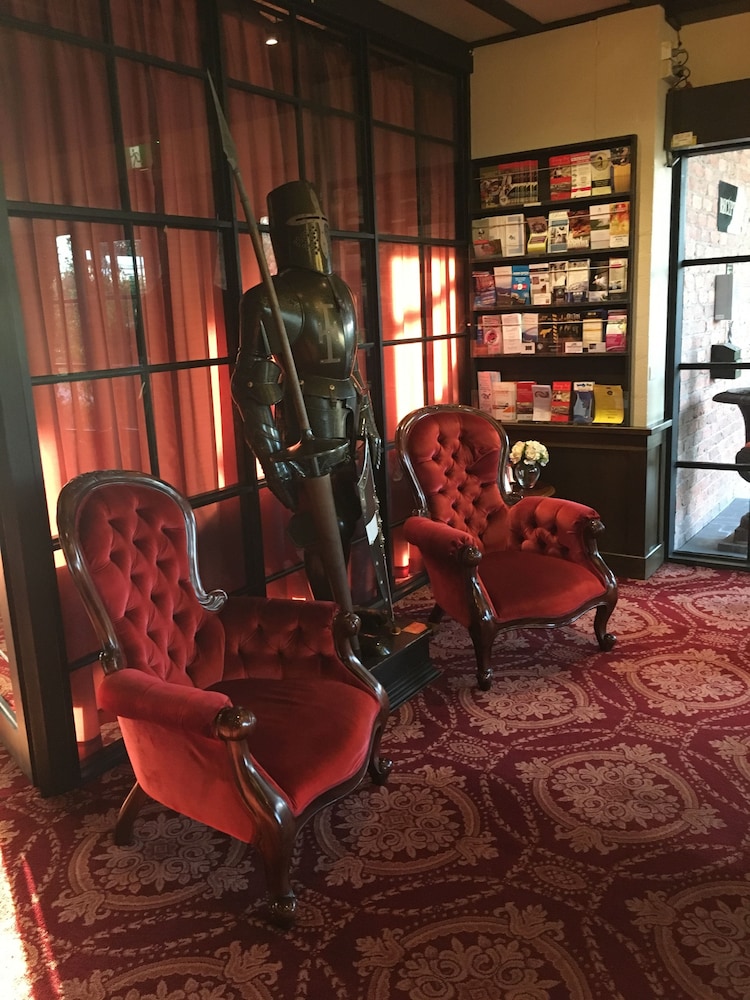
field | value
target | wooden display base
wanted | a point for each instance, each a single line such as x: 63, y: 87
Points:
x: 407, y: 668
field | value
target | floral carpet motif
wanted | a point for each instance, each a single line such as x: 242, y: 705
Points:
x: 579, y: 831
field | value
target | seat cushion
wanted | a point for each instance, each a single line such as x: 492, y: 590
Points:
x: 310, y: 735
x: 530, y: 585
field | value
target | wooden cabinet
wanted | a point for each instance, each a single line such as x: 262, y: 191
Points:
x: 552, y: 275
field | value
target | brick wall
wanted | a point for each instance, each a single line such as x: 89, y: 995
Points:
x: 710, y: 431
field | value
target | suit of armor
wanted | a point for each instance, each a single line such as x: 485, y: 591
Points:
x: 320, y: 321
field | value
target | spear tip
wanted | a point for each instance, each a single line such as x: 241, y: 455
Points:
x: 230, y: 150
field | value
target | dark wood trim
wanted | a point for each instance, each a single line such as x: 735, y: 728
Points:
x: 44, y: 741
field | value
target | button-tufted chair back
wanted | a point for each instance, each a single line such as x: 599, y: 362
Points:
x: 454, y: 456
x: 134, y: 545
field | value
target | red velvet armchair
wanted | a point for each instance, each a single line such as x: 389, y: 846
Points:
x: 247, y: 714
x: 496, y: 563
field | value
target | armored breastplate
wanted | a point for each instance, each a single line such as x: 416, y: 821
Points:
x: 320, y: 319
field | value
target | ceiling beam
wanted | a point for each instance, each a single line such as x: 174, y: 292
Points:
x: 511, y: 15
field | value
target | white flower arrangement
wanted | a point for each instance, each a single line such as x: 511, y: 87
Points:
x: 529, y: 452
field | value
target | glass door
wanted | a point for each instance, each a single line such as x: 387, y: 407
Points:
x: 710, y: 507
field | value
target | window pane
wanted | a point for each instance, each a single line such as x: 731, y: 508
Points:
x: 249, y: 269
x: 220, y: 548
x: 406, y: 560
x: 327, y: 68
x: 89, y: 425
x: 708, y: 517
x: 265, y: 133
x: 395, y: 183
x: 391, y: 91
x: 700, y: 329
x: 443, y: 385
x: 166, y: 141
x: 77, y: 283
x: 362, y: 580
x: 705, y: 174
x: 403, y: 382
x: 442, y: 297
x: 182, y: 294
x: 166, y: 28
x: 348, y: 264
x: 249, y: 58
x: 81, y: 17
x: 85, y: 711
x: 194, y: 423
x: 293, y: 586
x: 55, y: 122
x: 331, y: 165
x: 437, y: 190
x: 400, y: 291
x: 709, y: 430
x: 402, y: 501
x: 437, y: 104
x: 280, y: 552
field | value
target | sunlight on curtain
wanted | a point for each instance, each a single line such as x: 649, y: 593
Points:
x: 402, y: 320
x: 441, y: 314
x: 401, y: 295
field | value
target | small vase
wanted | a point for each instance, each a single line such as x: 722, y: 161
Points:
x: 526, y: 475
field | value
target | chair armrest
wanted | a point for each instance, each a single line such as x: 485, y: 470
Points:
x: 555, y: 527
x: 131, y: 694
x: 437, y: 540
x: 451, y: 557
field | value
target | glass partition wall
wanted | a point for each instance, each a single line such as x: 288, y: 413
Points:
x: 130, y: 254
x: 710, y: 509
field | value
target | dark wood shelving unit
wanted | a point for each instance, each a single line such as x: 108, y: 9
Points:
x: 616, y: 468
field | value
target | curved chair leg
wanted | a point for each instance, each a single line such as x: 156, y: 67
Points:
x: 134, y: 801
x: 482, y: 637
x: 436, y: 615
x: 282, y: 901
x: 379, y: 768
x: 605, y: 639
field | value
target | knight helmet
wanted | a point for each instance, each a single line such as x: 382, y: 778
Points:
x: 299, y: 228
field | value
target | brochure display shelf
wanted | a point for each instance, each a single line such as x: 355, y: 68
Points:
x: 552, y: 273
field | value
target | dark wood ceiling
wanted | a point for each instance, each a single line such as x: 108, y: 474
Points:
x: 481, y: 22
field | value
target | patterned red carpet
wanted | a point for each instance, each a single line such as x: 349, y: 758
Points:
x: 581, y: 831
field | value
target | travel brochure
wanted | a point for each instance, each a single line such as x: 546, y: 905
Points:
x: 565, y: 176
x: 551, y: 283
x: 559, y: 401
x: 596, y: 331
x: 603, y: 226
